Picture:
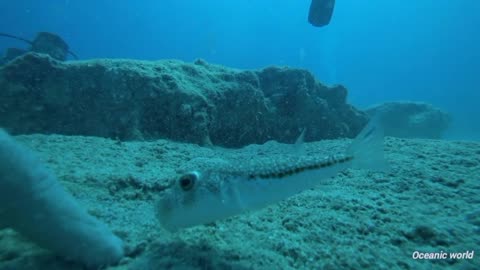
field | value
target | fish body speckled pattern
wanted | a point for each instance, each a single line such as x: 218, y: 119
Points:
x: 193, y: 196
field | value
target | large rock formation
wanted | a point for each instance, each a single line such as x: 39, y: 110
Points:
x: 199, y: 102
x: 411, y: 119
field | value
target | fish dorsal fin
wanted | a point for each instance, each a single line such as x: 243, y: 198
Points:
x: 299, y: 146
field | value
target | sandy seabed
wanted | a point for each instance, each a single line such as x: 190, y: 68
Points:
x: 429, y: 201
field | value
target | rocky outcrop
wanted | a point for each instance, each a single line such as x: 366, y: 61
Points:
x: 44, y: 42
x: 411, y: 119
x: 194, y: 102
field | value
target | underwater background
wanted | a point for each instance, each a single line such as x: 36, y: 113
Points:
x: 380, y: 50
x: 174, y: 106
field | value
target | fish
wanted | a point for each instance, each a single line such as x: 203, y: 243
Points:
x: 199, y: 197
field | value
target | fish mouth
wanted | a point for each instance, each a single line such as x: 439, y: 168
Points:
x: 164, y: 211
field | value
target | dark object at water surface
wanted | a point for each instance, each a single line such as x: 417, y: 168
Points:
x: 320, y: 12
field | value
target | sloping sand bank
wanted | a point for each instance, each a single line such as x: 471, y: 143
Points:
x: 428, y: 202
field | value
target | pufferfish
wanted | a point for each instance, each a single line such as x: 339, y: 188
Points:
x: 200, y: 197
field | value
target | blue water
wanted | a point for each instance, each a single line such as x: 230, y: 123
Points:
x: 381, y: 50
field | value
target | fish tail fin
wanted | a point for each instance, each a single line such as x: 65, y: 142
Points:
x: 367, y: 148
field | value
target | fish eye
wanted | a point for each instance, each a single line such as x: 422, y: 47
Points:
x: 187, y: 181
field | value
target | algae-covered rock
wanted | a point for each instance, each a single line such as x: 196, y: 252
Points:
x: 194, y: 102
x: 51, y: 44
x: 44, y: 42
x: 411, y: 119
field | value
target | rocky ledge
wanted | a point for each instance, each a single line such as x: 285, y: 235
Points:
x: 193, y: 102
x: 408, y: 119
